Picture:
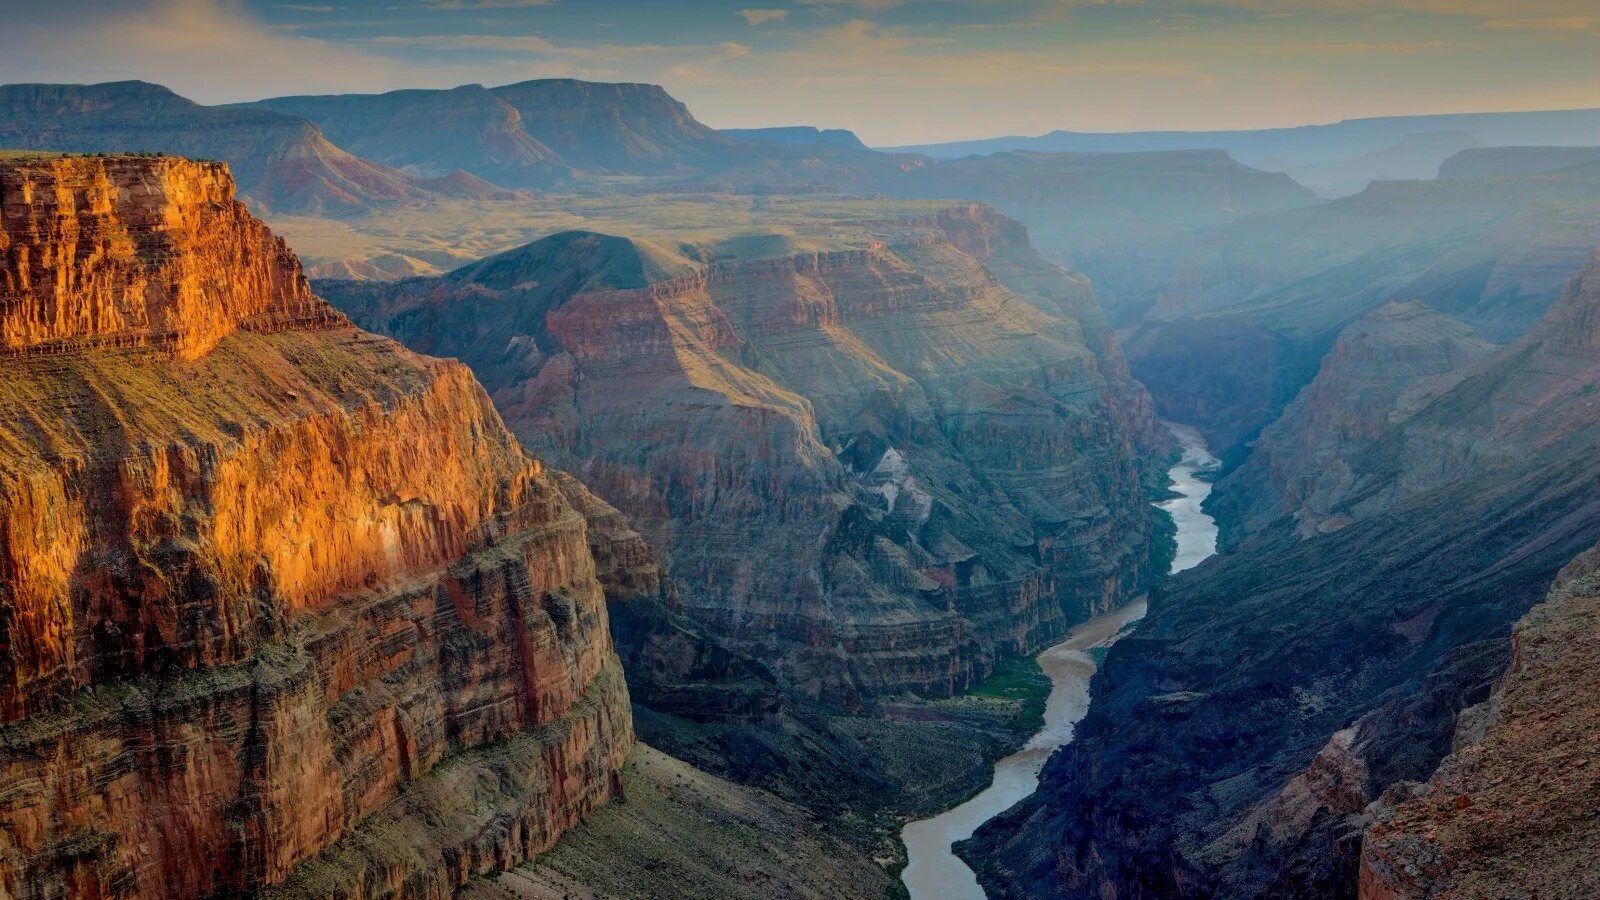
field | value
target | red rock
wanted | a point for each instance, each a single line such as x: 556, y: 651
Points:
x: 271, y: 585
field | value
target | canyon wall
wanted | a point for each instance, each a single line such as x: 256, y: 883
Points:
x: 1309, y: 463
x: 875, y: 468
x: 1511, y: 811
x: 285, y: 606
x: 1240, y: 737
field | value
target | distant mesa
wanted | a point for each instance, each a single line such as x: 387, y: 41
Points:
x: 1322, y: 157
x: 1490, y: 162
x: 798, y: 134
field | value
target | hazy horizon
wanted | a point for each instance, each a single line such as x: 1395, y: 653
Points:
x: 896, y: 72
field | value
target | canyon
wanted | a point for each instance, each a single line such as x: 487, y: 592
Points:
x: 630, y: 508
x: 279, y: 595
x: 1353, y: 646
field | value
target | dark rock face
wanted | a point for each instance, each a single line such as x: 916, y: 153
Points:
x: 1511, y: 811
x: 873, y: 469
x: 283, y: 163
x: 1238, y: 737
x: 283, y: 605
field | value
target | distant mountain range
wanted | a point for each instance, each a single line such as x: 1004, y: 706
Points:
x: 1334, y: 160
x: 531, y: 134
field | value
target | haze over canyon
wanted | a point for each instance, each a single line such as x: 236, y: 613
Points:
x: 470, y: 474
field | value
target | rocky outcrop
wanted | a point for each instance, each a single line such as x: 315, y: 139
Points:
x: 131, y: 252
x: 1511, y: 811
x: 1301, y: 466
x: 282, y: 605
x: 875, y: 469
x: 283, y: 163
x: 1344, y: 658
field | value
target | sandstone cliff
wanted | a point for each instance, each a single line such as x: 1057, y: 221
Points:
x: 283, y: 606
x: 874, y: 469
x: 1238, y: 738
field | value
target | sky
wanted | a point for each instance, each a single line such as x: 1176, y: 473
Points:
x: 895, y: 71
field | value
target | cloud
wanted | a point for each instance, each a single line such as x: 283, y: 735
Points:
x: 216, y: 51
x: 1552, y: 23
x: 865, y: 6
x: 303, y: 7
x: 507, y: 43
x: 758, y: 17
x: 451, y: 5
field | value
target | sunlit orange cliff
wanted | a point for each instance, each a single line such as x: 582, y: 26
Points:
x: 283, y: 605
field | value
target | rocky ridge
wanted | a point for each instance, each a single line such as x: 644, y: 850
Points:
x: 1242, y: 314
x: 279, y: 595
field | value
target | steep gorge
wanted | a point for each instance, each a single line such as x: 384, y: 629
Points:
x: 1239, y: 738
x: 278, y: 595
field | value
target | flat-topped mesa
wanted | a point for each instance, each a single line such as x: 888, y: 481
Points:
x: 136, y: 251
x: 282, y: 608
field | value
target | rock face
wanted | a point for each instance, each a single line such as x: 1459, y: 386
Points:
x: 283, y: 606
x: 283, y: 163
x: 1511, y: 811
x: 1247, y: 771
x: 1301, y: 466
x: 873, y: 469
x: 128, y: 252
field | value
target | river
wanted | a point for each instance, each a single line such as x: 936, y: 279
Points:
x: 933, y: 871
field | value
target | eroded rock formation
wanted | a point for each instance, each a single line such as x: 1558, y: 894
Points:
x: 283, y: 605
x: 874, y: 468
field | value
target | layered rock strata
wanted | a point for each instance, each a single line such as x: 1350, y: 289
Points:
x: 875, y: 469
x: 282, y: 605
